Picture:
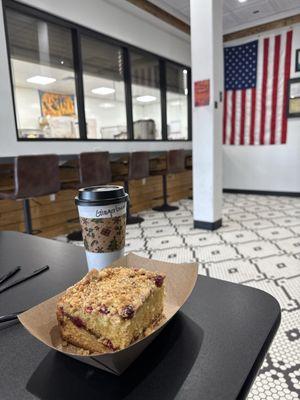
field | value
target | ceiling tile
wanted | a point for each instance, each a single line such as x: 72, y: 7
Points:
x: 253, y: 12
x: 286, y: 5
x: 226, y: 8
x: 178, y: 4
x: 232, y: 5
x: 229, y: 21
x: 186, y: 11
x: 234, y: 12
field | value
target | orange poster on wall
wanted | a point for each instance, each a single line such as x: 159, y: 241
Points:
x: 202, y: 93
x: 56, y: 104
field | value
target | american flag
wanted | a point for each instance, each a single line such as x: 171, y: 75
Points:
x: 255, y: 99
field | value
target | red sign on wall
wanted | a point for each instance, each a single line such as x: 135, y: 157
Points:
x: 202, y: 93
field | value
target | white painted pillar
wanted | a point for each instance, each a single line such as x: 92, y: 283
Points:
x: 207, y: 63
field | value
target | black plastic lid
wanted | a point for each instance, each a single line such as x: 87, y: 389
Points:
x: 101, y: 195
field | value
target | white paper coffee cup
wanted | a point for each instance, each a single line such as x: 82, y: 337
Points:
x: 102, y: 214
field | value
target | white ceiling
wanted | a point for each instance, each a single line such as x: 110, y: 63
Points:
x: 236, y: 14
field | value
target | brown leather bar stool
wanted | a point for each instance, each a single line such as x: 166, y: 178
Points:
x: 34, y: 176
x: 138, y: 168
x: 175, y: 163
x: 94, y: 170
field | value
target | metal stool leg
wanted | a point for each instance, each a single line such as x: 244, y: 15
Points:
x: 165, y: 207
x: 75, y: 236
x: 131, y: 219
x: 27, y: 216
x: 165, y: 190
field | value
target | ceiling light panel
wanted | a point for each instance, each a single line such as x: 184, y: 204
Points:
x: 146, y: 99
x: 40, y: 80
x: 103, y: 91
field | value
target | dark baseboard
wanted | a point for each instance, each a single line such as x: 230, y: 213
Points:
x: 210, y: 226
x: 262, y: 192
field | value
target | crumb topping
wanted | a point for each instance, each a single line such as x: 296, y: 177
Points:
x: 112, y: 291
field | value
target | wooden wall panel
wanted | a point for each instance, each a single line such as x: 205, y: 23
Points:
x: 59, y: 216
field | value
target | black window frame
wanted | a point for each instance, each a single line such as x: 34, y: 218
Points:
x: 162, y: 90
x: 189, y: 103
x: 76, y: 32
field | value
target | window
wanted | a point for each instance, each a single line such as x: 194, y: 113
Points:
x: 177, y: 101
x: 104, y: 90
x: 72, y: 83
x: 43, y: 78
x: 146, y: 105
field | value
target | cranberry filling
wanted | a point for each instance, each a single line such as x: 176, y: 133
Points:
x: 88, y: 309
x: 159, y: 280
x: 127, y: 312
x: 78, y: 322
x: 103, y: 309
x: 109, y: 344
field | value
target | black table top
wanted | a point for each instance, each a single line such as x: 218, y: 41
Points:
x: 211, y: 350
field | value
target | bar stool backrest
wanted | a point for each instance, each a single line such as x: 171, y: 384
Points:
x: 175, y: 161
x: 138, y: 167
x: 36, y: 175
x: 94, y: 168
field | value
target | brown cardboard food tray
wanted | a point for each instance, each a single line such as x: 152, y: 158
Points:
x: 41, y: 320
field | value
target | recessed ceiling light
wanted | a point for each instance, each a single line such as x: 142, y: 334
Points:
x: 242, y: 1
x: 103, y: 90
x: 146, y: 99
x: 40, y: 80
x: 185, y: 71
x: 106, y: 105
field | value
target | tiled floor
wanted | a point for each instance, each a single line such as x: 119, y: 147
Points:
x: 258, y: 245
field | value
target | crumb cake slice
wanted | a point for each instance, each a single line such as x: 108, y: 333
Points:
x: 111, y: 308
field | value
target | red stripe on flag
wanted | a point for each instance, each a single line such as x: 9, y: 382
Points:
x: 224, y: 117
x: 264, y: 91
x: 275, y: 87
x: 243, y: 112
x: 287, y: 68
x: 253, y: 111
x: 232, y: 134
